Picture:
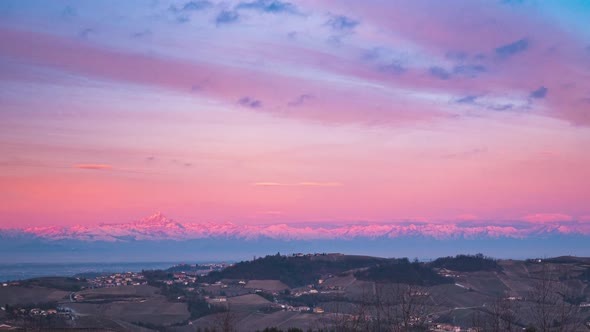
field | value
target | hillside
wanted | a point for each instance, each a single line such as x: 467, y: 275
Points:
x: 403, y: 271
x: 467, y: 263
x: 294, y: 270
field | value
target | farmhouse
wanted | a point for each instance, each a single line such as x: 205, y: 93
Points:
x: 318, y: 310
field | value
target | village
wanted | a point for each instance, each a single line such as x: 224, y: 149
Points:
x: 219, y: 293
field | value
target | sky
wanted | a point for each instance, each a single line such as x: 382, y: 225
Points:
x: 268, y: 111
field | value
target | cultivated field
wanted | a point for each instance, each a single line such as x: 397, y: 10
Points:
x: 30, y: 295
x: 267, y: 285
x: 130, y: 304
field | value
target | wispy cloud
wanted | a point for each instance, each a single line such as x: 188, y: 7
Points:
x: 107, y: 167
x: 250, y: 102
x: 226, y: 17
x: 467, y: 99
x: 394, y: 67
x: 269, y: 184
x: 471, y: 71
x: 197, y: 5
x: 218, y: 81
x: 86, y: 33
x: 319, y: 184
x: 142, y: 34
x: 500, y: 107
x: 342, y: 23
x: 439, y: 73
x: 297, y: 184
x: 93, y: 166
x: 539, y: 93
x: 467, y: 217
x: 514, y: 48
x: 464, y: 70
x: 192, y: 6
x: 466, y: 154
x: 69, y: 12
x: 300, y: 100
x: 269, y: 6
x: 547, y: 217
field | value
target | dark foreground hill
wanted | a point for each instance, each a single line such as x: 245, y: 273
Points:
x: 403, y: 271
x: 318, y: 292
x: 294, y: 271
x: 467, y: 263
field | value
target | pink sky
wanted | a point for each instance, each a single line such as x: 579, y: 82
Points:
x: 315, y: 111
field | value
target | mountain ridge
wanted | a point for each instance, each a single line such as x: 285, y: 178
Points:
x: 159, y: 227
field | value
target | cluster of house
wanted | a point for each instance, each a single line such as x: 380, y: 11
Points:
x: 331, y: 289
x: 514, y: 298
x: 215, y: 266
x: 278, y: 306
x: 299, y: 254
x: 119, y: 279
x: 448, y: 273
x: 327, y: 290
x: 444, y: 328
x: 216, y: 299
x: 316, y: 310
x: 10, y: 283
x: 305, y: 292
x: 199, y: 269
x: 450, y: 328
x: 38, y: 312
x: 181, y: 278
x: 439, y: 327
x: 216, y: 284
x: 287, y: 307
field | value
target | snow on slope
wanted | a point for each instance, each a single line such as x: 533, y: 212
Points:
x: 159, y: 227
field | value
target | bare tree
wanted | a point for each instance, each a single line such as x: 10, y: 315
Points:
x: 227, y: 320
x: 356, y: 320
x: 508, y: 314
x: 550, y: 304
x: 479, y: 321
x: 393, y: 307
x: 409, y: 303
x: 501, y: 315
x: 384, y: 308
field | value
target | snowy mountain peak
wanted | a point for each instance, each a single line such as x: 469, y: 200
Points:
x: 159, y: 227
x: 157, y: 217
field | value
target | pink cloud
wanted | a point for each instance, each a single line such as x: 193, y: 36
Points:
x: 264, y: 91
x: 269, y: 184
x: 547, y: 218
x: 319, y: 184
x: 467, y: 217
x: 297, y: 184
x: 479, y: 34
x: 93, y: 166
x: 549, y: 57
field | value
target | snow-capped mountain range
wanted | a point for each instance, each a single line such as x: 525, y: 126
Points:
x: 159, y: 227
